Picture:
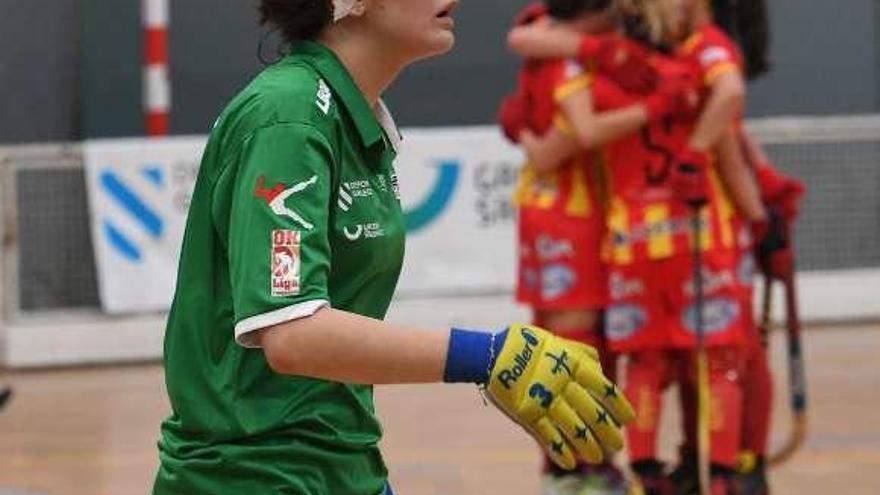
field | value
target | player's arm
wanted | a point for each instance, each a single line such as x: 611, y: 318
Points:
x: 591, y: 129
x: 581, y: 126
x: 541, y: 40
x: 583, y: 130
x: 552, y: 387
x: 579, y: 129
x: 345, y: 347
x: 546, y: 153
x: 754, y: 152
x: 738, y: 178
x: 724, y: 104
x: 279, y: 265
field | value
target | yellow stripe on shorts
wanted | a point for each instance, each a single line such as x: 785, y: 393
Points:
x: 579, y: 202
x: 660, y: 243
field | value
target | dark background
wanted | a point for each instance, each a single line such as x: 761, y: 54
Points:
x: 71, y: 69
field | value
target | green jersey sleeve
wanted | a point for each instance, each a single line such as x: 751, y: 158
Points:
x: 278, y: 245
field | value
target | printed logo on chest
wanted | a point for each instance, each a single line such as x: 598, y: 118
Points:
x: 369, y: 230
x: 350, y: 192
x: 324, y: 97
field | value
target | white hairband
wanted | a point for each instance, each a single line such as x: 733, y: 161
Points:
x: 341, y: 9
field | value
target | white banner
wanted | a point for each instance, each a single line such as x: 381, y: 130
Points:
x: 456, y: 187
x: 139, y: 191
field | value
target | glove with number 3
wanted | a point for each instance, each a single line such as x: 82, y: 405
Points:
x: 555, y: 389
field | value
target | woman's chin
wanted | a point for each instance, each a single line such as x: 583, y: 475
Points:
x: 441, y: 42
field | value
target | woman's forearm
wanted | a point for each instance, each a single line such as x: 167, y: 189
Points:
x: 546, y: 153
x: 725, y: 103
x: 593, y: 129
x: 345, y: 347
x: 754, y: 153
x: 541, y: 42
x: 739, y: 179
x: 611, y: 125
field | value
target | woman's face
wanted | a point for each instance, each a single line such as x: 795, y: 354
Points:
x: 412, y: 29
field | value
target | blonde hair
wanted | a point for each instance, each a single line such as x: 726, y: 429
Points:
x: 657, y: 18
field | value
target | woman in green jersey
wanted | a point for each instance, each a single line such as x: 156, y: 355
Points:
x: 293, y: 246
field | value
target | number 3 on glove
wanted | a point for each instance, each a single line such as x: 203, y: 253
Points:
x: 555, y: 389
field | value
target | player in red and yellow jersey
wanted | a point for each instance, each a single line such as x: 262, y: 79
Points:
x: 766, y: 206
x: 652, y: 307
x: 561, y: 209
x: 724, y: 69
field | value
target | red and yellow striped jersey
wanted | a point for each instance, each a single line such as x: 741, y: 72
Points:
x: 571, y: 188
x: 645, y: 221
x: 712, y: 50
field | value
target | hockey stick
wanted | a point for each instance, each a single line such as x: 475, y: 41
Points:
x: 703, y: 438
x: 796, y: 377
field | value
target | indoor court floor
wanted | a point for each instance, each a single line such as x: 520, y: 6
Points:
x: 93, y: 431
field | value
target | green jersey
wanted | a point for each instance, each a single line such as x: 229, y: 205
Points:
x: 295, y: 208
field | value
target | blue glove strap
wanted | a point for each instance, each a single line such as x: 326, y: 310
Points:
x: 471, y: 355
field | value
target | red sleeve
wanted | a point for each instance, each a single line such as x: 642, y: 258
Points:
x: 716, y: 55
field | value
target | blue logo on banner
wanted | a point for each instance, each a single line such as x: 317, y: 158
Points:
x: 441, y: 193
x: 134, y: 206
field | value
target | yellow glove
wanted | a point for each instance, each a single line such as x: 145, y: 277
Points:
x: 555, y: 389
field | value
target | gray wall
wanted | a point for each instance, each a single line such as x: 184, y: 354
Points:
x: 110, y: 92
x: 38, y: 70
x: 825, y: 59
x: 73, y: 70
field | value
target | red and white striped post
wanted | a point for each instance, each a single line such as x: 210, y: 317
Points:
x: 157, y: 85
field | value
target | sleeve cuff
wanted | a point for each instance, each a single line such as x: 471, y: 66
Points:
x: 244, y: 330
x: 719, y: 70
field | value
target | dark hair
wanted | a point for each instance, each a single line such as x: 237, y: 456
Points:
x: 297, y: 20
x: 571, y: 9
x: 746, y: 21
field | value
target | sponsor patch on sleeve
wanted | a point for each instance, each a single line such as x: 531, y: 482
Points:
x: 286, y: 263
x: 713, y: 55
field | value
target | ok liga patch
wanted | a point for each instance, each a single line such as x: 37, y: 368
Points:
x: 286, y: 263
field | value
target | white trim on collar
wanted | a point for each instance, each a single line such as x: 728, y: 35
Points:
x: 386, y: 120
